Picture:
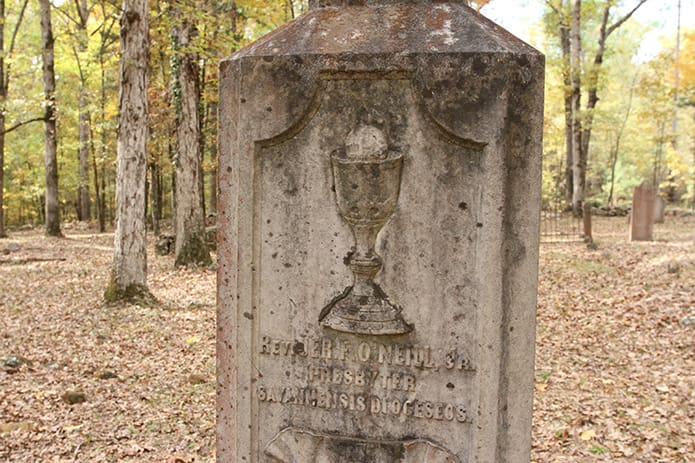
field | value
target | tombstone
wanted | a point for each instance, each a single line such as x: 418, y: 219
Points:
x: 642, y: 213
x: 586, y: 220
x: 659, y: 208
x: 380, y: 167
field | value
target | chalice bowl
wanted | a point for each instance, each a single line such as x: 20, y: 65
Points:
x: 367, y: 178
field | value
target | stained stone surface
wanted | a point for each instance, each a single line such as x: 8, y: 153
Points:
x: 642, y: 213
x: 659, y: 208
x: 378, y: 238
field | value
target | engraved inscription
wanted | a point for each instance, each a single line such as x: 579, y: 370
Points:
x: 362, y: 377
x: 370, y: 378
x: 394, y: 354
x: 375, y: 405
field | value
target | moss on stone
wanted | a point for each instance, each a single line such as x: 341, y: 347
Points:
x: 133, y: 293
x: 53, y: 229
x: 194, y: 251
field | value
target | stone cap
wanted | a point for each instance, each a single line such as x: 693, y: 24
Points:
x: 329, y: 3
x: 390, y: 27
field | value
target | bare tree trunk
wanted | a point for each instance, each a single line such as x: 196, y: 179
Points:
x: 3, y: 234
x: 83, y: 155
x: 155, y: 197
x: 52, y: 205
x: 191, y: 247
x: 581, y: 128
x: 160, y: 193
x: 101, y: 198
x: 2, y: 161
x: 578, y: 163
x: 85, y: 212
x: 592, y: 99
x: 567, y: 78
x: 172, y: 186
x: 213, y: 162
x: 564, y: 29
x: 616, y: 148
x: 656, y: 168
x: 106, y: 210
x: 202, y: 119
x: 4, y: 86
x: 3, y: 98
x: 693, y: 175
x: 676, y: 81
x: 108, y: 22
x: 97, y: 195
x: 129, y: 274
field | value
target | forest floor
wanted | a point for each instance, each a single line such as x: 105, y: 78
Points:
x: 615, y: 361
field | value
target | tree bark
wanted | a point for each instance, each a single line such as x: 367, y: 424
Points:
x: 592, y: 98
x: 582, y: 121
x: 3, y: 98
x: 100, y: 211
x: 101, y: 197
x: 564, y: 30
x: 4, y: 86
x: 3, y: 234
x: 692, y: 144
x: 191, y: 246
x: 616, y: 148
x: 52, y: 205
x: 108, y: 22
x: 202, y: 119
x: 129, y: 273
x: 155, y: 197
x: 567, y: 80
x: 85, y: 212
x: 578, y: 162
x: 213, y: 162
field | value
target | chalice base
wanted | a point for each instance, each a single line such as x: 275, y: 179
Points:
x: 373, y: 314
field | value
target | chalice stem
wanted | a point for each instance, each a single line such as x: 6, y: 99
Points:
x: 365, y: 263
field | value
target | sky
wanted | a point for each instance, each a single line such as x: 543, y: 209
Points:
x: 518, y: 16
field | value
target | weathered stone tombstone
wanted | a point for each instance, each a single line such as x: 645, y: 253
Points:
x: 659, y: 208
x: 642, y: 213
x: 378, y: 238
x: 586, y: 221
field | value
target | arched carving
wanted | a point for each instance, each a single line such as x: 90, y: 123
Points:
x: 292, y: 445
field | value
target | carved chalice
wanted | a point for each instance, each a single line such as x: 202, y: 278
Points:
x: 367, y: 178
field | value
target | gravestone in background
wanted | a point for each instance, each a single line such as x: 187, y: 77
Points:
x: 659, y: 208
x: 378, y: 238
x: 642, y: 213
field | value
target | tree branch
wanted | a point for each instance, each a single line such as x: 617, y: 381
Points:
x: 105, y: 41
x: 76, y: 54
x: 78, y: 8
x: 12, y: 42
x: 16, y: 27
x: 624, y: 18
x: 67, y: 16
x: 19, y: 124
x: 553, y: 7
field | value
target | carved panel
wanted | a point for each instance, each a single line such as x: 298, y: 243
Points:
x: 366, y: 302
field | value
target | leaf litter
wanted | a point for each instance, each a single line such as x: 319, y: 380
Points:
x: 106, y: 383
x: 615, y: 367
x: 615, y: 364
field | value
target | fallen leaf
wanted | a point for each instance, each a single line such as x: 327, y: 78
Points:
x: 588, y: 435
x: 70, y: 428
